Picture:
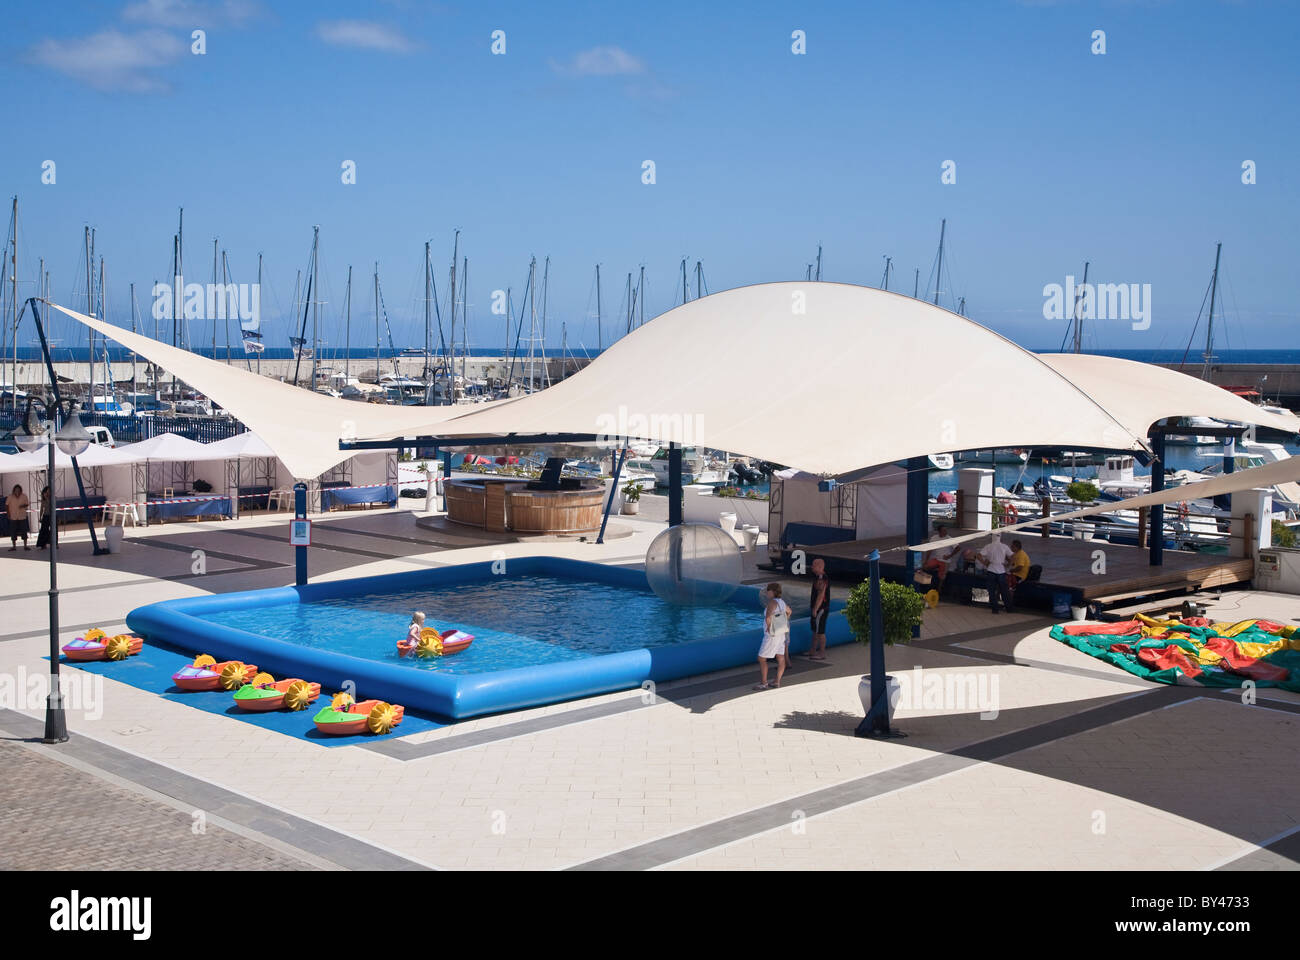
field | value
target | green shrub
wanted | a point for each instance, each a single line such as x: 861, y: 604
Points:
x: 1082, y: 491
x: 900, y: 605
x: 1283, y: 536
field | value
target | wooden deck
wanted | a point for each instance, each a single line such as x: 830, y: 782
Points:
x: 1068, y: 565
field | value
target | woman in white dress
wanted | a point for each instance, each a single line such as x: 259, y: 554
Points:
x: 776, y: 637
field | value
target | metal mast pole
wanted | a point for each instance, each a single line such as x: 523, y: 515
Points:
x: 315, y: 303
x: 347, y: 333
x: 600, y: 344
x: 938, y: 273
x: 1209, y: 329
x: 884, y: 283
x: 1078, y: 320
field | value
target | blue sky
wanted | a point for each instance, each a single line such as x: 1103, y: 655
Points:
x: 1131, y: 160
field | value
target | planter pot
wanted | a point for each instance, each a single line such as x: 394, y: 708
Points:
x: 727, y: 521
x: 1079, y: 613
x: 893, y: 690
x: 750, y: 533
x: 1083, y: 531
x: 113, y: 538
x: 631, y: 506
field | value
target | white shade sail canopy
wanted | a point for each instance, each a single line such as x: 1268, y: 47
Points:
x: 831, y: 377
x: 826, y: 377
x: 1139, y: 394
x: 302, y: 427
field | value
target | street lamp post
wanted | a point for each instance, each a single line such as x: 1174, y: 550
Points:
x: 73, y: 439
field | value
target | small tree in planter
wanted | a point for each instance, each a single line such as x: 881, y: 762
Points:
x: 900, y: 605
x: 631, y: 497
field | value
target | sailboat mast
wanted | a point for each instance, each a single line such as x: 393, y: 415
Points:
x: 1209, y: 329
x: 1078, y: 319
x: 685, y: 296
x: 428, y: 276
x: 259, y: 301
x: 134, y: 387
x: 13, y: 279
x: 464, y: 317
x: 819, y: 261
x: 938, y: 273
x: 214, y: 312
x: 450, y: 356
x: 640, y: 296
x: 376, y: 323
x: 315, y: 303
x: 600, y: 344
x: 916, y: 284
x: 884, y: 282
x: 90, y: 310
x: 546, y: 297
x: 347, y: 332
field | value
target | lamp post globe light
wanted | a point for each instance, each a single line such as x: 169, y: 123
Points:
x: 73, y: 439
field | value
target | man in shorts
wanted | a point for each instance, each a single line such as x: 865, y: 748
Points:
x: 819, y: 607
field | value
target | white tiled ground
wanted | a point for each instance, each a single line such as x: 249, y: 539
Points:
x: 558, y: 797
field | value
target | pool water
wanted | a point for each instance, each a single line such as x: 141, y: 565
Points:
x: 516, y: 621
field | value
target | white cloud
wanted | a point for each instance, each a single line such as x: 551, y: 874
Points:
x: 191, y: 13
x: 364, y: 35
x: 601, y: 62
x: 112, y: 60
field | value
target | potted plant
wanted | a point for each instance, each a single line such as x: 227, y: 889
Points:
x: 631, y: 497
x: 901, y: 608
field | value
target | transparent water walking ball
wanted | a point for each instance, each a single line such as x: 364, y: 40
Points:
x: 693, y: 564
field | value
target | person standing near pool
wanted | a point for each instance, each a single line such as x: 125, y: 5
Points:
x: 17, y: 505
x: 819, y: 607
x: 776, y: 637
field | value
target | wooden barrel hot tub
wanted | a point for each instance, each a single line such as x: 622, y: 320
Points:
x: 500, y: 505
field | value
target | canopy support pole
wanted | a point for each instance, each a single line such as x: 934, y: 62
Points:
x: 674, y: 485
x: 918, y: 515
x: 613, y: 491
x: 1156, y: 546
x: 876, y: 722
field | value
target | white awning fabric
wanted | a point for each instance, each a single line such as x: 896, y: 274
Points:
x: 242, y: 446
x: 303, y: 428
x: 1139, y: 394
x: 826, y: 377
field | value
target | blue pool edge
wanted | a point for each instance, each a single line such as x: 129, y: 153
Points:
x: 179, y: 623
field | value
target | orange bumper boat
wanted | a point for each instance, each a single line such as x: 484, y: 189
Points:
x: 264, y: 693
x: 343, y: 716
x: 205, y: 673
x: 96, y: 645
